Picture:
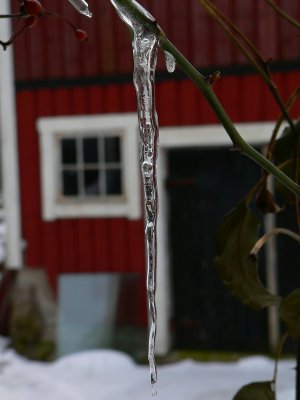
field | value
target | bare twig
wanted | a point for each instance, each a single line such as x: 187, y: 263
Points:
x: 276, y: 231
x: 11, y: 15
x: 283, y: 14
x: 13, y: 37
x: 250, y: 52
x: 239, y: 39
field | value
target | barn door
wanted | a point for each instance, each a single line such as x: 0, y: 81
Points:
x: 203, y: 185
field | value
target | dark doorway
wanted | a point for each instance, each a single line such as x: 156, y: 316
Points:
x: 204, y: 185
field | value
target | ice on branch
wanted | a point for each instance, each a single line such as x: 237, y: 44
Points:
x: 145, y: 44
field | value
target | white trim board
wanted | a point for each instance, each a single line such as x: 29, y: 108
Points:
x: 9, y: 150
x: 213, y: 135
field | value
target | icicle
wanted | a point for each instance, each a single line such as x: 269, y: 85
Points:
x: 82, y: 7
x: 145, y: 45
x: 170, y: 62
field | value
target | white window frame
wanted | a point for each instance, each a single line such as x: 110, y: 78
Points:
x: 53, y: 129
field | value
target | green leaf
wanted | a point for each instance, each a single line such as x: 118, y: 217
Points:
x: 256, y: 391
x: 289, y: 169
x: 284, y: 146
x: 284, y: 154
x: 290, y: 313
x: 236, y: 237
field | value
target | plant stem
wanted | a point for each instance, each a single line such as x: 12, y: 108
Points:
x: 249, y: 51
x: 278, y: 354
x: 276, y: 231
x: 285, y: 15
x: 11, y: 15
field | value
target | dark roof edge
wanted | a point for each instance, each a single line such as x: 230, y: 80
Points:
x: 236, y: 70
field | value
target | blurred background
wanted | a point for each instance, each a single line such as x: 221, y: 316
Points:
x: 71, y: 233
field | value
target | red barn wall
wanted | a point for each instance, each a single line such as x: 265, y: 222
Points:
x: 71, y: 245
x: 77, y: 245
x: 50, y: 49
x: 57, y: 75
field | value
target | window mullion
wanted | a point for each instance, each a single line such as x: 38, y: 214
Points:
x: 80, y: 167
x: 60, y: 167
x: 102, y: 175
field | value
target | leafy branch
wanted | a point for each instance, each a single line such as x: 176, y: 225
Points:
x: 237, y: 236
x: 203, y: 85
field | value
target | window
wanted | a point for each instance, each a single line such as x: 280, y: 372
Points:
x: 89, y: 166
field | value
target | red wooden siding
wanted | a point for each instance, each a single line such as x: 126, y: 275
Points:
x: 50, y: 50
x: 73, y: 245
x: 69, y: 245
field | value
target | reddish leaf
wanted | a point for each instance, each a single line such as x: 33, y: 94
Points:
x: 265, y: 202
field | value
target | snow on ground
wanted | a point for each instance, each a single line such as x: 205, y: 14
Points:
x: 110, y: 375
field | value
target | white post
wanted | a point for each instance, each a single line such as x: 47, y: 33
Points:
x: 272, y: 275
x: 9, y: 149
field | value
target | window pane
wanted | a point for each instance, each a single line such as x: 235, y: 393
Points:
x: 113, y: 181
x: 70, y: 183
x: 112, y: 149
x: 68, y: 151
x: 90, y: 150
x: 91, y: 182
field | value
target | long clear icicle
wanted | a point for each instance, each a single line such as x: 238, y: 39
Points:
x: 145, y: 55
x: 145, y: 45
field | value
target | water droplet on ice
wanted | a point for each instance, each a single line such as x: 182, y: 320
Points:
x: 82, y: 7
x: 170, y: 62
x: 147, y: 168
x: 154, y: 391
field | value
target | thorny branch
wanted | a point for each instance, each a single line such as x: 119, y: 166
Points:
x: 206, y: 90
